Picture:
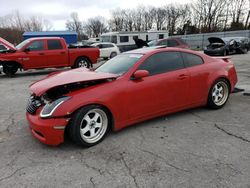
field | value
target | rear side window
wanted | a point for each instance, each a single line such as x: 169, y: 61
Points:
x: 172, y: 43
x: 163, y: 42
x: 54, y: 45
x: 107, y: 46
x: 163, y: 62
x: 192, y: 60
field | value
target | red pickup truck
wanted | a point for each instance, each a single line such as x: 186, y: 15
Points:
x: 45, y: 52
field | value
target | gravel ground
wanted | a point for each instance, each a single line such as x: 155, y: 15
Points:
x: 194, y: 148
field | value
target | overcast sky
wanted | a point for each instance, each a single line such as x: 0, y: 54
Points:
x: 58, y: 11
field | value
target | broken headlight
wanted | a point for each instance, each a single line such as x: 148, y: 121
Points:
x: 50, y: 107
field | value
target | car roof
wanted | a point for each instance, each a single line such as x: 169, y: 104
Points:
x: 154, y: 49
x: 39, y: 38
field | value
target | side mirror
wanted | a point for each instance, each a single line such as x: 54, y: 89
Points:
x: 139, y: 74
x: 26, y: 50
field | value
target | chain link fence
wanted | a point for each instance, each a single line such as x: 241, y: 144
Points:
x: 199, y: 41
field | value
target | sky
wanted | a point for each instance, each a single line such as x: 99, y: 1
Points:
x: 57, y: 12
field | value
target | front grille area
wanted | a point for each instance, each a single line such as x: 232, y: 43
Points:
x: 33, y: 105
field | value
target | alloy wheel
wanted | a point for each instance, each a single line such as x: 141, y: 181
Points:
x: 93, y: 125
x: 83, y: 63
x: 220, y: 93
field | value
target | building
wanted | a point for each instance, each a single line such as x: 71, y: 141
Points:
x: 69, y: 36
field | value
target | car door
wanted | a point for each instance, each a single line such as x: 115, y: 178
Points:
x: 198, y: 78
x: 165, y: 89
x: 106, y: 50
x: 34, y: 55
x: 57, y: 55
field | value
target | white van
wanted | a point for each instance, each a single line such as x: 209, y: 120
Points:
x: 125, y: 40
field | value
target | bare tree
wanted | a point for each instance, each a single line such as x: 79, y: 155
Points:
x: 128, y: 19
x: 33, y: 24
x: 96, y: 26
x: 160, y: 17
x: 47, y: 25
x: 118, y: 19
x: 74, y: 24
x: 248, y: 16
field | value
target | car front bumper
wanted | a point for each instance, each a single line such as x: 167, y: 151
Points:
x: 47, y: 131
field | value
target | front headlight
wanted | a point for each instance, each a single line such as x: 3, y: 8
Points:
x: 49, y: 108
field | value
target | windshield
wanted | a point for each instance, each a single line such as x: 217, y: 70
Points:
x: 22, y: 44
x: 119, y: 64
x: 152, y: 43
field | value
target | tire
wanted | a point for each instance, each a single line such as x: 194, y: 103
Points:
x: 10, y: 70
x: 113, y: 54
x: 82, y: 62
x: 218, y: 94
x: 89, y: 125
x: 245, y: 51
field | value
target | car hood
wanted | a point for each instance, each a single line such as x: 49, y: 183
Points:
x: 7, y: 44
x: 215, y: 40
x: 67, y: 77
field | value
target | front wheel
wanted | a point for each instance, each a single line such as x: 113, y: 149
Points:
x: 82, y: 62
x: 89, y: 125
x: 219, y: 94
x: 10, y: 70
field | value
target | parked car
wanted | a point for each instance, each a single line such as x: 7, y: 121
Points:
x: 50, y: 52
x: 169, y: 42
x: 107, y: 50
x: 130, y: 88
x: 227, y: 46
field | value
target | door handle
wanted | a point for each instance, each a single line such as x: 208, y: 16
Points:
x: 62, y: 52
x: 182, y: 77
x: 41, y: 53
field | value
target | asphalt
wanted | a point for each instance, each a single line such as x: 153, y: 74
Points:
x: 194, y: 148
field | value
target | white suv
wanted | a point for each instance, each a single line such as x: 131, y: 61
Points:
x: 107, y: 50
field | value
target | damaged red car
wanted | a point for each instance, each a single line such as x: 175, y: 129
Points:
x: 132, y: 87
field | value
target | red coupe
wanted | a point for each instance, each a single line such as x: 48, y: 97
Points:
x: 130, y: 88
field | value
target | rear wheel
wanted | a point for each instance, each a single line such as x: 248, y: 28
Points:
x: 245, y: 50
x: 10, y: 69
x: 113, y: 54
x: 219, y: 94
x: 89, y: 125
x: 82, y: 62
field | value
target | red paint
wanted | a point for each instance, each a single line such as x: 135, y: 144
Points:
x: 62, y: 78
x: 178, y: 41
x: 134, y: 100
x: 43, y: 129
x: 141, y: 74
x: 47, y: 58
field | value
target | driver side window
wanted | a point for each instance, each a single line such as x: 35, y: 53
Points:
x: 36, y: 46
x: 163, y: 62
